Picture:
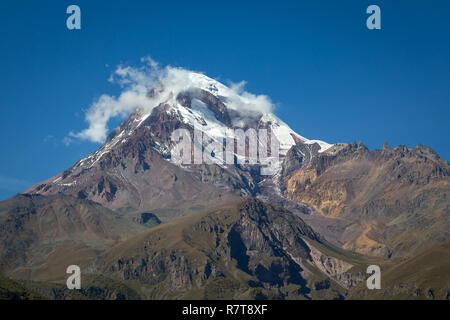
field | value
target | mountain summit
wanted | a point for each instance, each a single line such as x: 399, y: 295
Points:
x: 143, y: 210
x: 134, y: 170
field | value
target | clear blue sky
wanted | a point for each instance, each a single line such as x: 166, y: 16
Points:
x: 333, y: 79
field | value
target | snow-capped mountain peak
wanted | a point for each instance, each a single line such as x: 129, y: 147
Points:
x: 204, y: 104
x: 139, y: 158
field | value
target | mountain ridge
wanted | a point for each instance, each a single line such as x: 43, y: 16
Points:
x: 218, y: 230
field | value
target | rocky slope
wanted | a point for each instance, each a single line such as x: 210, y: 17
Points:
x: 387, y: 202
x: 204, y: 240
x: 246, y: 249
x: 40, y: 236
x: 135, y: 170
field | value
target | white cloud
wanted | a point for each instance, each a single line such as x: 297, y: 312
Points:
x: 243, y: 101
x: 168, y: 82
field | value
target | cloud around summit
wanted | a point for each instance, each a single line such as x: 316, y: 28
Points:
x: 136, y: 82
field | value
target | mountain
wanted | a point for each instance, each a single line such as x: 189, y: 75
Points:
x: 387, y: 202
x: 245, y: 249
x: 135, y: 171
x: 93, y: 287
x: 425, y: 276
x: 12, y: 290
x: 40, y: 236
x: 145, y: 219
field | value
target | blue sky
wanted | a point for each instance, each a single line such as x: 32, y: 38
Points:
x: 331, y: 77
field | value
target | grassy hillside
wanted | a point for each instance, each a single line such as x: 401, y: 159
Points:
x: 13, y: 290
x: 41, y: 235
x: 426, y: 276
x: 244, y: 250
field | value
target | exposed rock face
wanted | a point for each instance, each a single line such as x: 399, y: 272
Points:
x: 147, y: 218
x: 394, y: 201
x: 212, y: 102
x: 297, y: 157
x: 134, y: 170
x: 134, y: 174
x: 224, y: 252
x: 335, y: 268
